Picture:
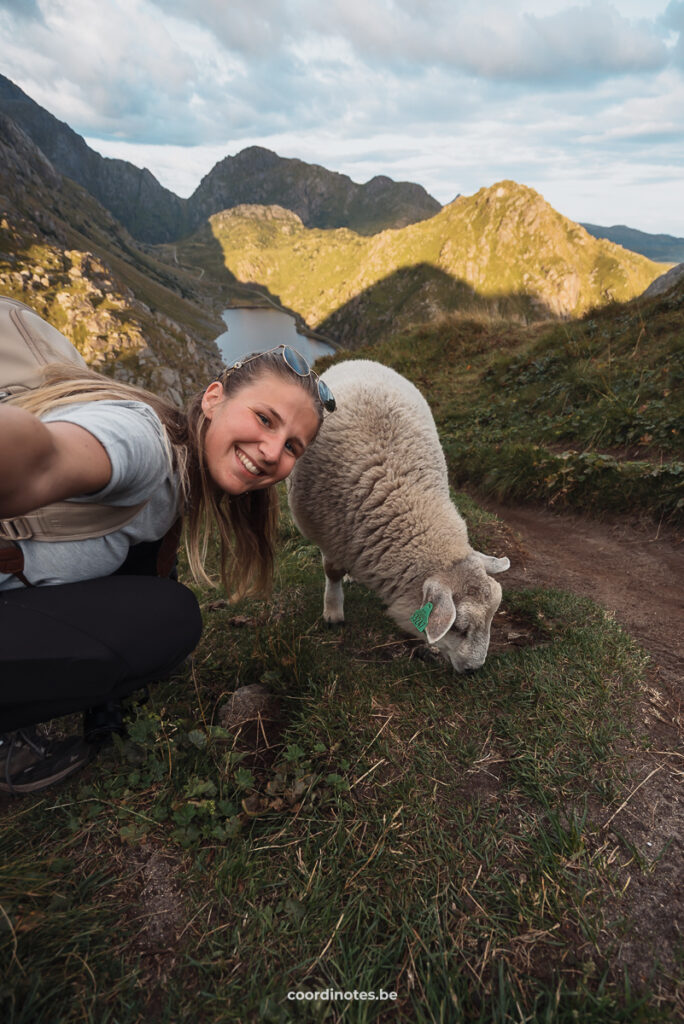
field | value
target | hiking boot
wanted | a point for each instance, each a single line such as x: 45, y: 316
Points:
x: 30, y: 762
x: 101, y: 722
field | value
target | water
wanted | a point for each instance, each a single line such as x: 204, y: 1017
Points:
x: 256, y: 330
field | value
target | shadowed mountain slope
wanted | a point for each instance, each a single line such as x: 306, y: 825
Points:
x: 320, y: 198
x: 150, y: 212
x: 64, y: 255
x: 503, y: 250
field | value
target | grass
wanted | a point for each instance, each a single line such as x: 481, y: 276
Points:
x: 584, y: 414
x: 409, y: 830
x: 391, y: 826
x: 503, y: 248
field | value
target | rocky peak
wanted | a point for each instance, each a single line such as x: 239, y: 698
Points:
x: 254, y: 211
x: 150, y: 212
x: 256, y: 175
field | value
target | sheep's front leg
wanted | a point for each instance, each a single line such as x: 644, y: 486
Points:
x: 333, y: 601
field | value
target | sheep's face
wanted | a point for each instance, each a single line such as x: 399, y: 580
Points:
x: 466, y: 642
x: 464, y: 601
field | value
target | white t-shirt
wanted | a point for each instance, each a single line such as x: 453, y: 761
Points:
x: 134, y: 440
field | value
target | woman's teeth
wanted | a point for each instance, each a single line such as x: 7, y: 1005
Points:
x: 247, y: 463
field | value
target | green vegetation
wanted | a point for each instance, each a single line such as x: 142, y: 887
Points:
x: 503, y: 251
x: 585, y: 413
x: 406, y: 830
x: 388, y: 825
x: 385, y: 825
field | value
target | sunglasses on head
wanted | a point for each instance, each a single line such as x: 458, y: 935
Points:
x: 298, y: 364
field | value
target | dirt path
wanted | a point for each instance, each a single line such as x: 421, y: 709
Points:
x: 638, y: 574
x: 635, y: 572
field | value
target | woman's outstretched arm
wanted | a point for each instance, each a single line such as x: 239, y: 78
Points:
x: 45, y: 462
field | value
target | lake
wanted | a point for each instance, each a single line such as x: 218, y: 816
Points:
x: 257, y: 330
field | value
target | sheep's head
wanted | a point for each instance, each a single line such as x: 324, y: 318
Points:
x: 464, y: 599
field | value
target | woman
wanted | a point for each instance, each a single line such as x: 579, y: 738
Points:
x: 77, y: 630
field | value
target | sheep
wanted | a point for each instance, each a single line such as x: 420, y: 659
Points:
x: 372, y: 492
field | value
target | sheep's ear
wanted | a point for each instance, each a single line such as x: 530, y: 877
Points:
x: 493, y: 565
x: 443, y: 610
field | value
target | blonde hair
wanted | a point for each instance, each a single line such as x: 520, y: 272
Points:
x: 246, y: 523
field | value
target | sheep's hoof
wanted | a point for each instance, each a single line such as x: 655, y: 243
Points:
x: 334, y: 623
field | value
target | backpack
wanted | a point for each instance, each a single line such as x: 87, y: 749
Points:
x: 27, y: 345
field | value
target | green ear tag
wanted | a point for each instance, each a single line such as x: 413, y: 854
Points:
x: 420, y: 617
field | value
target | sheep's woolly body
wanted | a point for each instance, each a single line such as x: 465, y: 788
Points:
x: 373, y: 490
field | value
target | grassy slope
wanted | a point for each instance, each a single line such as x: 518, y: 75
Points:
x: 503, y: 249
x: 585, y: 413
x: 442, y: 837
x: 415, y: 833
x: 80, y: 223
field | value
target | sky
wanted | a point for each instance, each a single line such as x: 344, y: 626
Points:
x: 582, y: 101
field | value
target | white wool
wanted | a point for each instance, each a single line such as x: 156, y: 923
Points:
x: 372, y: 492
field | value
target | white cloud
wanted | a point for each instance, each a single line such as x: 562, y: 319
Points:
x: 450, y: 93
x: 120, y: 69
x: 495, y: 39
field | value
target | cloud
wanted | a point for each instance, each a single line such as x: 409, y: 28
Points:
x: 191, y: 71
x: 27, y: 10
x: 252, y: 28
x: 673, y: 19
x: 120, y: 70
x: 493, y: 39
x: 450, y: 93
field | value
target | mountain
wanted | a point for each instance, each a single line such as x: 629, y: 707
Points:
x: 666, y: 282
x: 153, y: 214
x: 661, y: 248
x: 64, y: 255
x: 320, y: 198
x: 504, y: 252
x: 150, y: 212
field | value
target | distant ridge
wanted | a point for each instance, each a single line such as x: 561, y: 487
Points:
x: 154, y: 214
x: 150, y: 212
x: 661, y: 248
x: 320, y: 198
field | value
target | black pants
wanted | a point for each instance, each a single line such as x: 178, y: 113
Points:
x: 67, y: 648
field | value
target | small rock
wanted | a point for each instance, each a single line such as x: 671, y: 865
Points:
x: 249, y: 704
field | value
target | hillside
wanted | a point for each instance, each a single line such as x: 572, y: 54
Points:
x: 661, y: 248
x: 585, y: 414
x: 63, y: 254
x: 320, y: 198
x: 665, y: 282
x: 138, y: 201
x: 154, y: 214
x: 503, y: 252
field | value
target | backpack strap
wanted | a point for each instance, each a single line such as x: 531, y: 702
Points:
x: 12, y: 560
x: 163, y: 559
x: 68, y: 520
x: 168, y: 549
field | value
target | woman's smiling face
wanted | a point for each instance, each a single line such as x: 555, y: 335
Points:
x: 255, y: 436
